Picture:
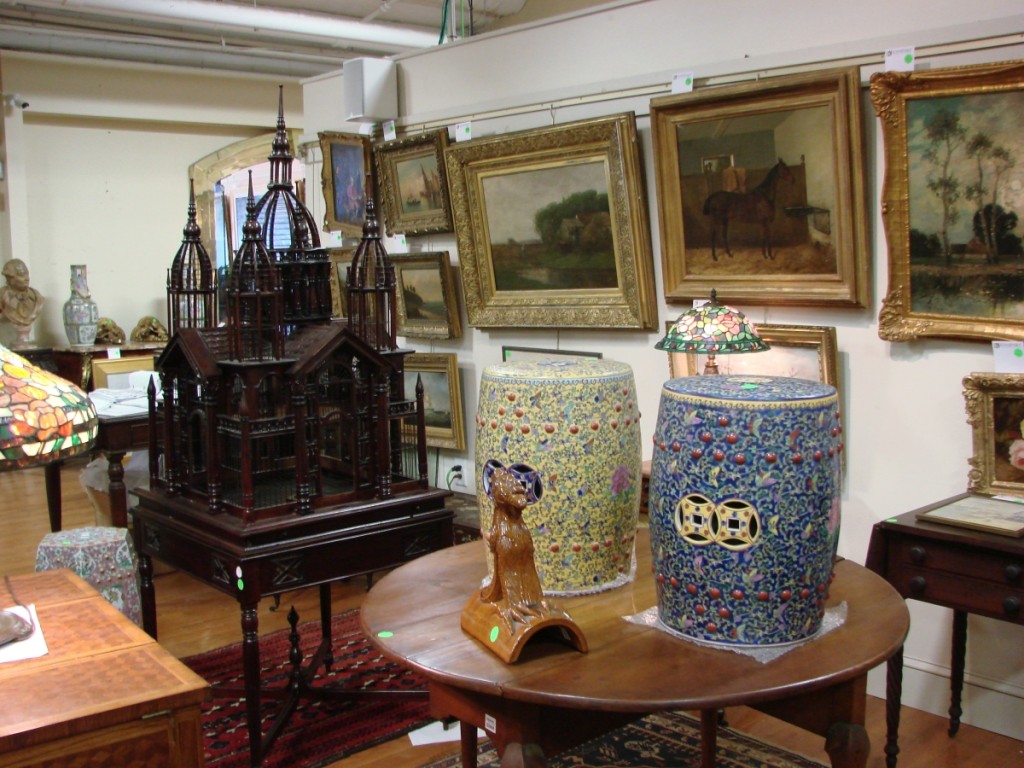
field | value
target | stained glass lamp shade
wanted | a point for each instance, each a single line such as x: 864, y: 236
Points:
x: 42, y: 417
x: 712, y: 329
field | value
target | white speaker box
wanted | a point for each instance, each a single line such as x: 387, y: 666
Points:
x: 370, y: 90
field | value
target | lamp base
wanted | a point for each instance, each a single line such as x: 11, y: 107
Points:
x: 711, y: 366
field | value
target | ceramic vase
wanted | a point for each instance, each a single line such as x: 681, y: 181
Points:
x: 570, y: 430
x: 81, y: 315
x: 744, y: 507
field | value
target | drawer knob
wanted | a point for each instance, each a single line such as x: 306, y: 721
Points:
x: 1011, y: 606
x: 917, y: 554
x: 1012, y: 573
x: 918, y: 585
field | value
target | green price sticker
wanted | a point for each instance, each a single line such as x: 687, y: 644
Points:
x: 385, y: 634
x: 494, y: 634
x: 241, y: 585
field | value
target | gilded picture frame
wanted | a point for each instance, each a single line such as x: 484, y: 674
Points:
x: 799, y: 351
x: 426, y: 299
x: 413, y: 184
x: 346, y: 177
x: 995, y: 411
x: 760, y: 190
x: 952, y: 183
x: 341, y: 260
x: 552, y: 227
x: 442, y: 396
x: 520, y: 354
x: 112, y: 373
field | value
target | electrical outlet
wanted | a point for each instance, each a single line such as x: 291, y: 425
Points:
x: 455, y: 478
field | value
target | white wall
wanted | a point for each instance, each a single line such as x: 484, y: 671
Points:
x: 97, y: 172
x: 908, y: 441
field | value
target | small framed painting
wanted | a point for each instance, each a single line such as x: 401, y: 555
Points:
x: 346, y: 180
x: 519, y: 354
x: 426, y: 299
x: 995, y: 411
x: 413, y: 185
x: 798, y: 351
x: 442, y: 397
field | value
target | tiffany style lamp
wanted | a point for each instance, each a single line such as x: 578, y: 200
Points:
x: 712, y: 329
x: 43, y: 418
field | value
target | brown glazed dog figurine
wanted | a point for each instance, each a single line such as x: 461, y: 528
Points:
x: 511, y: 609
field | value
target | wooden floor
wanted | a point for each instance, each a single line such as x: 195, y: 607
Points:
x: 194, y: 618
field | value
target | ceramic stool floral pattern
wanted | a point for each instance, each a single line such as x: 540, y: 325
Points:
x: 570, y: 431
x: 104, y: 557
x: 744, y: 507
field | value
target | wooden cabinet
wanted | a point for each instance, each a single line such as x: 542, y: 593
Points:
x: 966, y: 570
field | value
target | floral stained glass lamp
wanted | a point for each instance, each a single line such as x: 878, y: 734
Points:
x: 712, y: 329
x: 43, y: 418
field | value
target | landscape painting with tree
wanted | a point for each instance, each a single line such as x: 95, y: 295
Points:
x: 552, y: 227
x: 954, y: 196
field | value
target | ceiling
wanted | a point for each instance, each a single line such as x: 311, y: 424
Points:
x: 294, y: 38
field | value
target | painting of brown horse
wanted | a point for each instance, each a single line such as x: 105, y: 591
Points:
x: 754, y: 207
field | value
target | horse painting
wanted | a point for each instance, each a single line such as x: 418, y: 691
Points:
x: 754, y: 207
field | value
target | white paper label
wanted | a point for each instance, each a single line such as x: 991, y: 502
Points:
x: 682, y: 82
x: 463, y: 131
x: 899, y: 59
x: 389, y: 130
x: 1008, y: 356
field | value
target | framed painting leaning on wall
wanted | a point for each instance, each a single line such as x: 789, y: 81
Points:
x: 952, y: 198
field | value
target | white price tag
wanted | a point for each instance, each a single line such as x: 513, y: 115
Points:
x: 389, y: 130
x: 113, y: 353
x: 400, y: 242
x: 682, y: 82
x: 899, y: 59
x: 463, y: 131
x: 1008, y: 356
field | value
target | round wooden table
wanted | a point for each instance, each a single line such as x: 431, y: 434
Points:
x: 554, y: 698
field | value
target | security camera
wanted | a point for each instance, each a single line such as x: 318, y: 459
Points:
x: 17, y: 101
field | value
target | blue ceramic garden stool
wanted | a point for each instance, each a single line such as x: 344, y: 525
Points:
x: 104, y: 557
x: 744, y: 507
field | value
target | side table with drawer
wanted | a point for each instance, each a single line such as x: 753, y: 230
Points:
x: 966, y: 570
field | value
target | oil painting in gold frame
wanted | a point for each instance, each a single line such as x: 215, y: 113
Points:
x: 761, y: 191
x: 442, y: 396
x: 346, y: 179
x: 426, y: 299
x: 413, y: 184
x: 995, y: 411
x: 552, y: 227
x: 950, y: 201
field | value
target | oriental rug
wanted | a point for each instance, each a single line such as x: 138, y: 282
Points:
x: 662, y: 740
x: 319, y: 732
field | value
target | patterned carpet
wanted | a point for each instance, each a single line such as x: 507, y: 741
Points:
x: 319, y: 732
x: 664, y: 740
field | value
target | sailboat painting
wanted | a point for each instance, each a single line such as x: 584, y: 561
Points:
x: 413, y: 185
x: 442, y: 397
